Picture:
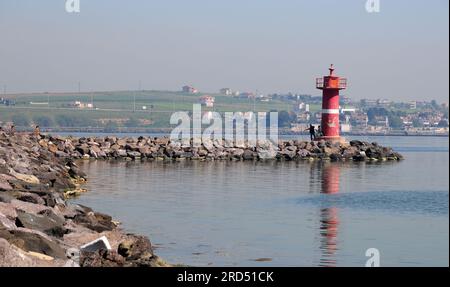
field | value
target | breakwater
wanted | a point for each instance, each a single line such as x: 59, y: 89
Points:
x: 38, y: 227
x: 161, y: 148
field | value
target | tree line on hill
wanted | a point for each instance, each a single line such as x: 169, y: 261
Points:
x: 23, y: 120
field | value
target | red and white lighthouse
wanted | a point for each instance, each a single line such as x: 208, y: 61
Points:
x: 330, y: 85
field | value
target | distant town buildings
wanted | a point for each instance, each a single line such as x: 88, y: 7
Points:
x: 81, y: 105
x: 368, y: 103
x: 359, y: 119
x: 368, y: 116
x: 303, y: 117
x: 345, y: 127
x: 7, y: 102
x: 345, y: 100
x: 226, y: 91
x: 301, y: 107
x: 347, y: 110
x: 207, y: 101
x: 189, y: 90
x: 384, y: 103
x: 381, y: 121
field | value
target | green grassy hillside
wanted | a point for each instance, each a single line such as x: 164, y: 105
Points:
x: 148, y: 109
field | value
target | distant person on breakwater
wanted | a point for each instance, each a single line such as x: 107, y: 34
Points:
x: 37, y: 131
x: 312, y: 132
x: 319, y: 131
x: 12, y: 130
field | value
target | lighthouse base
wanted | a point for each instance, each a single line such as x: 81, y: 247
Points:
x: 331, y: 139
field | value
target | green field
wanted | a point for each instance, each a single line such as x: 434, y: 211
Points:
x: 119, y: 109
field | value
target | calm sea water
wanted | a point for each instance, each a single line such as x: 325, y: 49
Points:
x: 285, y: 213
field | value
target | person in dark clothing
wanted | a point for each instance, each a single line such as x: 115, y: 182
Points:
x: 319, y: 131
x: 37, y: 131
x: 312, y: 132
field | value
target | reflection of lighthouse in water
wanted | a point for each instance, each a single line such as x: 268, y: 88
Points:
x: 329, y: 221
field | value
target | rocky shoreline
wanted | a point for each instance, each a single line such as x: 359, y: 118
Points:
x: 38, y: 227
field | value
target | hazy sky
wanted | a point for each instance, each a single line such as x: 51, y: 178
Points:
x: 401, y: 53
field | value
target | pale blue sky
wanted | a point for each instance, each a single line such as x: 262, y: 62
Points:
x: 401, y: 53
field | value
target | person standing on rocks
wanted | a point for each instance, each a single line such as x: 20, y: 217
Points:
x: 12, y: 130
x: 319, y: 131
x: 37, y: 131
x: 312, y: 132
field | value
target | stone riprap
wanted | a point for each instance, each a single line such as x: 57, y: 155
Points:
x: 39, y: 228
x: 163, y: 149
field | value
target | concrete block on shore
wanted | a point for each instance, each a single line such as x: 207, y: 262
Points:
x: 97, y: 244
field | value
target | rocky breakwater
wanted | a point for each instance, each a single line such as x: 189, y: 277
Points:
x: 149, y: 148
x: 39, y: 228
